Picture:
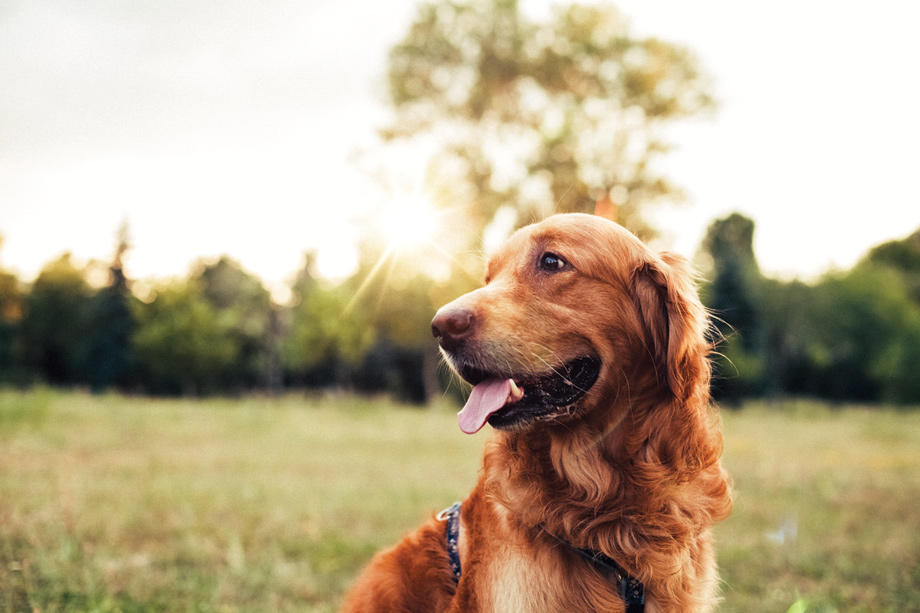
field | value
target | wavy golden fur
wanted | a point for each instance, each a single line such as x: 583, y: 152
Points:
x: 631, y: 469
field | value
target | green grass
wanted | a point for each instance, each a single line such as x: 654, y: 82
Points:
x: 130, y: 504
x: 826, y: 509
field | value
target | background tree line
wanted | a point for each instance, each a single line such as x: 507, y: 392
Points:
x: 850, y: 335
x: 215, y: 331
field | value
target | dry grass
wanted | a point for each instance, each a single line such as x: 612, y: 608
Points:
x: 126, y: 504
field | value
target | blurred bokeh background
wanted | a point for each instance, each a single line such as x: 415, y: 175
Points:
x: 201, y: 198
x: 211, y: 200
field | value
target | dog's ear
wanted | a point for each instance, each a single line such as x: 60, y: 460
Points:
x: 674, y: 322
x: 676, y: 432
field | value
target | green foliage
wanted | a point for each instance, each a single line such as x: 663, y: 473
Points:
x: 799, y: 606
x: 183, y: 342
x: 738, y: 372
x: 327, y: 336
x: 853, y: 335
x: 398, y: 306
x: 734, y: 297
x: 111, y: 326
x: 904, y: 257
x: 216, y: 331
x: 65, y: 332
x: 863, y: 336
x: 541, y: 117
x: 10, y: 316
x: 787, y: 309
x: 246, y: 312
x: 55, y: 320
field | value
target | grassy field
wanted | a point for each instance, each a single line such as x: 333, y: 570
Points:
x: 129, y: 504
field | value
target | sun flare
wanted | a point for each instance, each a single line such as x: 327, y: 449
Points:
x: 409, y: 223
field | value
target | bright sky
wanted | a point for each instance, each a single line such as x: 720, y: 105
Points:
x: 233, y: 127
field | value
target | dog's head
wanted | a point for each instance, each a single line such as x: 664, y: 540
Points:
x: 575, y: 313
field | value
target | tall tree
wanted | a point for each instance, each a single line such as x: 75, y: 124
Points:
x: 733, y: 290
x: 542, y: 117
x: 110, y: 359
x: 734, y: 295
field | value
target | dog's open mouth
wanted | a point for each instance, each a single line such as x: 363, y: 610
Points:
x: 506, y: 402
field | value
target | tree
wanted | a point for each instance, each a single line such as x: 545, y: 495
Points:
x: 902, y: 256
x: 326, y: 339
x: 405, y: 357
x: 11, y: 306
x: 246, y: 310
x: 182, y: 344
x: 853, y: 335
x: 734, y: 295
x: 787, y: 310
x: 863, y: 337
x: 110, y: 360
x: 540, y: 117
x: 55, y: 323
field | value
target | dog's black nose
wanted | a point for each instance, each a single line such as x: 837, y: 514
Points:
x: 451, y: 325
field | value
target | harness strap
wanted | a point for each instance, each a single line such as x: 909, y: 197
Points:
x: 452, y: 515
x: 629, y: 588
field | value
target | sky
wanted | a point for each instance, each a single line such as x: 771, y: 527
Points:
x: 238, y: 128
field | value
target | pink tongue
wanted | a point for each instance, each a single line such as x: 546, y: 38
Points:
x: 486, y: 398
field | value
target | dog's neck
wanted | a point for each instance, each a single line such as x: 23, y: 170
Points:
x: 605, y: 491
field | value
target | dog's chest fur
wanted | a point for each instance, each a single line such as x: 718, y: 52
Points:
x: 522, y: 583
x: 515, y: 584
x: 520, y: 575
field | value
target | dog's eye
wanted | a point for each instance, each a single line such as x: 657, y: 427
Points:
x: 551, y: 262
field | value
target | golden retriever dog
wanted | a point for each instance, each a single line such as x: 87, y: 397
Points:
x: 599, y: 487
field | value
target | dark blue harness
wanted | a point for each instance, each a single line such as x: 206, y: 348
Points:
x: 452, y: 515
x: 629, y: 588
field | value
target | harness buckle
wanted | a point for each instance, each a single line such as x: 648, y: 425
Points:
x: 446, y: 513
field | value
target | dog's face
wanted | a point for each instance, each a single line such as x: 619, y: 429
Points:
x: 570, y: 309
